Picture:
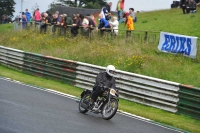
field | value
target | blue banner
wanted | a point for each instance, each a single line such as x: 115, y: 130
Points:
x: 178, y: 44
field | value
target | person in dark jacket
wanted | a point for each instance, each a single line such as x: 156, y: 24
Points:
x: 44, y: 22
x: 75, y: 25
x: 103, y: 79
x: 68, y: 20
x: 185, y: 6
x: 108, y: 6
x: 56, y: 20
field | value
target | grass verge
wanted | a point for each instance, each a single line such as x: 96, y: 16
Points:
x: 158, y: 115
x: 6, y: 27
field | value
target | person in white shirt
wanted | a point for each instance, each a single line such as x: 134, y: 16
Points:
x: 114, y: 24
x: 84, y: 21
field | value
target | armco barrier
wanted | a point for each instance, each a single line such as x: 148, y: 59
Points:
x: 141, y: 89
x: 189, y: 102
x: 12, y: 57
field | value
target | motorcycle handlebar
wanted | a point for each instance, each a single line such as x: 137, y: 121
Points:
x: 107, y: 88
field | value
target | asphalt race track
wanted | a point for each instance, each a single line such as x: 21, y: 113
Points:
x: 25, y: 109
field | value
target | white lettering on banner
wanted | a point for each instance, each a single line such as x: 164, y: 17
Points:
x: 174, y: 43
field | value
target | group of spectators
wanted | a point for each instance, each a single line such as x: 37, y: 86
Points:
x: 25, y: 17
x: 189, y: 6
x: 5, y: 19
x: 107, y: 21
x: 74, y: 22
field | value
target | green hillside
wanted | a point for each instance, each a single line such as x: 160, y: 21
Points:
x: 172, y: 20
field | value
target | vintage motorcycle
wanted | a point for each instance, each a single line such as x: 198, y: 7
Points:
x: 106, y: 104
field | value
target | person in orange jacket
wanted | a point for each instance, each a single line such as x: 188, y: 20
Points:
x: 129, y: 21
x: 119, y: 9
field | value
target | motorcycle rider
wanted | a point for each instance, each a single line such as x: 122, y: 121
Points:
x: 103, y: 79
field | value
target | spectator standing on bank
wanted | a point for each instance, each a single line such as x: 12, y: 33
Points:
x: 92, y: 17
x: 57, y: 12
x: 129, y: 21
x: 62, y: 28
x: 114, y: 25
x: 104, y: 13
x: 28, y: 15
x: 44, y: 21
x: 37, y: 16
x: 49, y: 14
x: 192, y: 6
x: 132, y: 14
x: 108, y: 6
x: 103, y: 24
x: 68, y: 20
x: 31, y: 20
x: 55, y: 21
x: 3, y: 18
x: 75, y: 25
x: 92, y: 23
x: 185, y: 6
x: 24, y: 20
x: 91, y: 26
x: 62, y: 20
x: 17, y: 23
x: 84, y: 21
x: 84, y: 24
x: 119, y: 9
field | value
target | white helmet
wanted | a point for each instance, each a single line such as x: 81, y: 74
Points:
x: 110, y: 70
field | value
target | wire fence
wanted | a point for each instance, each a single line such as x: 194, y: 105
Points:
x: 129, y: 36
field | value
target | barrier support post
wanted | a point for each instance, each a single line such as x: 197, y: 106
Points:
x: 145, y: 36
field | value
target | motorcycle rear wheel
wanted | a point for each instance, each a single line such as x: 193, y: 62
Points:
x: 85, y: 99
x: 110, y: 109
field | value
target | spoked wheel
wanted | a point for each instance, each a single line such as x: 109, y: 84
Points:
x: 110, y: 109
x: 83, y: 104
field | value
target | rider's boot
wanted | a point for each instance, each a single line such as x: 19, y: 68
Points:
x: 91, y: 103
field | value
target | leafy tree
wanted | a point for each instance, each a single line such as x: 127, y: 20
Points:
x: 7, y: 8
x: 85, y: 3
x: 94, y: 5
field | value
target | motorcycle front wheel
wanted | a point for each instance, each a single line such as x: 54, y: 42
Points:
x: 84, y: 102
x: 110, y: 109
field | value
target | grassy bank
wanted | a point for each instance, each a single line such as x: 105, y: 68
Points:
x: 179, y: 121
x: 173, y: 21
x: 6, y: 27
x: 134, y: 57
